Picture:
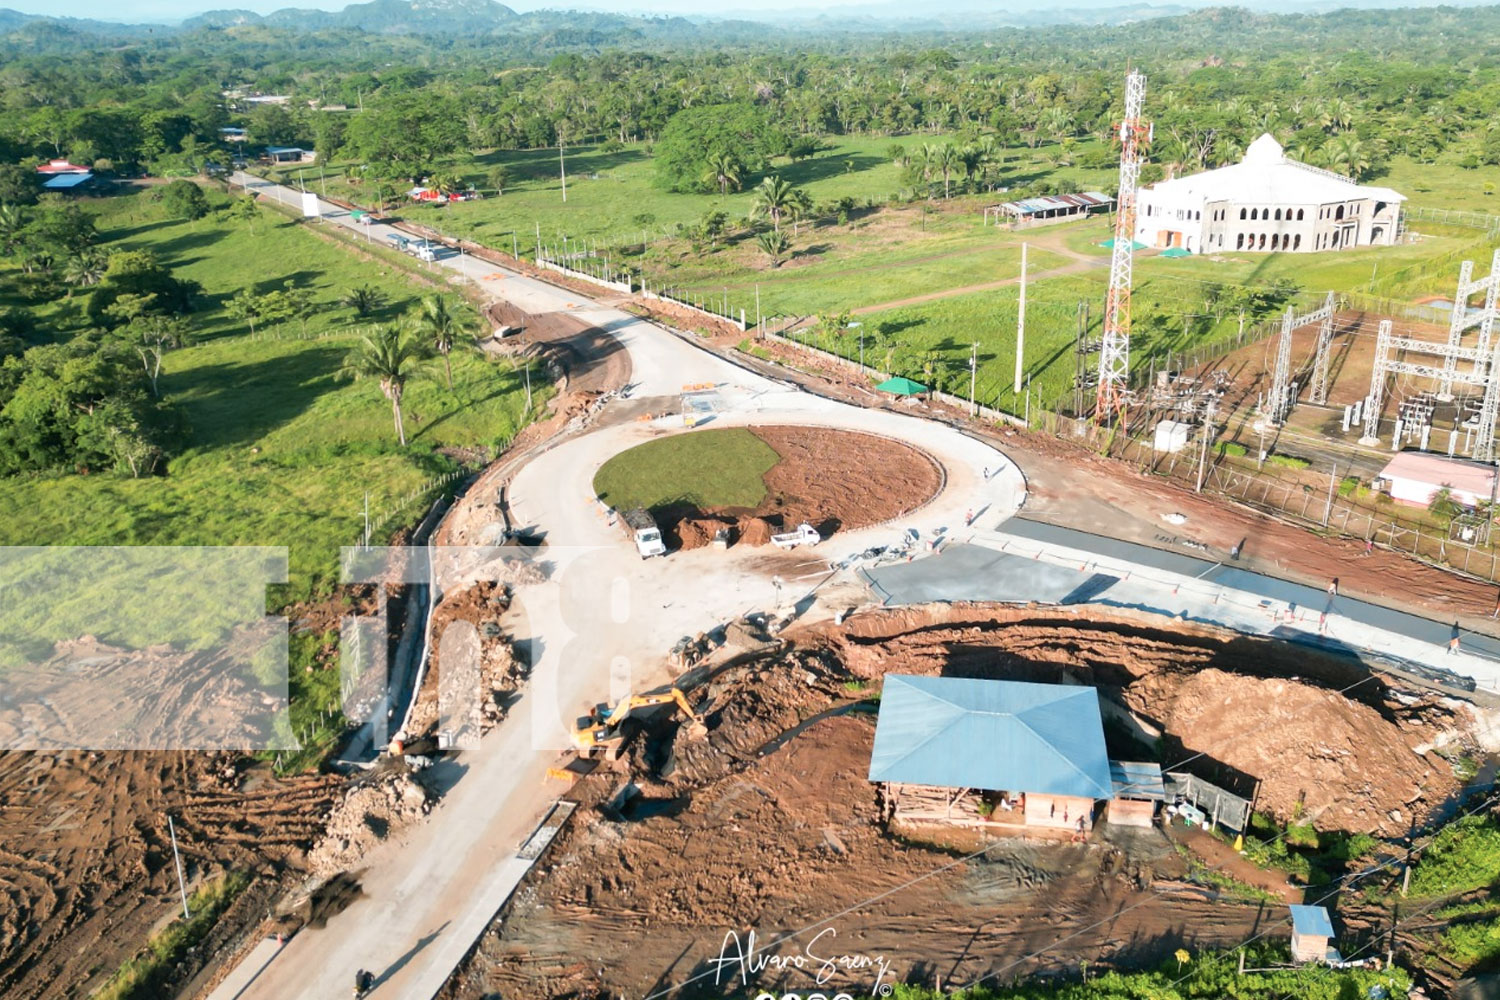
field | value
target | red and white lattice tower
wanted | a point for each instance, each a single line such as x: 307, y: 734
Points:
x: 1114, y: 355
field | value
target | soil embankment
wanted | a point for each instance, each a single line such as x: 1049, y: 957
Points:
x: 769, y: 823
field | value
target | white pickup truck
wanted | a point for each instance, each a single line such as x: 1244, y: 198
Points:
x: 644, y: 532
x: 805, y: 534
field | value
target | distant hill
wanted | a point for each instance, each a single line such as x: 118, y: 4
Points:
x: 426, y: 17
x: 14, y: 20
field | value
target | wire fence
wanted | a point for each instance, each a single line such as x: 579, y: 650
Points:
x: 1455, y: 217
x: 1307, y: 500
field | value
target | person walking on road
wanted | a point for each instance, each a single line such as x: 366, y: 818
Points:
x: 1453, y: 641
x: 1333, y: 587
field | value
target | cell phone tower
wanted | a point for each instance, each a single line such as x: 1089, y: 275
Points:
x: 1114, y: 355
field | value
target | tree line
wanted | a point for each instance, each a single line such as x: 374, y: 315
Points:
x: 1346, y: 90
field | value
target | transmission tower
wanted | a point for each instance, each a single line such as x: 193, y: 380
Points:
x: 1114, y: 355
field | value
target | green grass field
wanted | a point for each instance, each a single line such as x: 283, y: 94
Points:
x: 703, y: 469
x: 899, y: 249
x: 277, y: 451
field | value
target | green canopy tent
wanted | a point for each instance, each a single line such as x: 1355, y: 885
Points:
x: 1176, y: 252
x: 901, y: 386
x: 1134, y: 244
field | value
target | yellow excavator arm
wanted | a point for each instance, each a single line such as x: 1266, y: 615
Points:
x: 603, y: 721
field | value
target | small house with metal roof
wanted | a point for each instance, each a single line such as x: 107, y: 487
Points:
x: 1049, y: 207
x: 1311, y: 932
x: 960, y: 750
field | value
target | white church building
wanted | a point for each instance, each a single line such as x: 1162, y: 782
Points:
x: 1266, y: 202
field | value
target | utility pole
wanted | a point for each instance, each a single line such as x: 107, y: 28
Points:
x: 562, y: 169
x: 760, y: 330
x: 1020, y: 325
x: 538, y: 242
x: 1208, y: 433
x: 177, y: 857
x: 367, y: 519
x: 974, y: 372
x: 1328, y: 507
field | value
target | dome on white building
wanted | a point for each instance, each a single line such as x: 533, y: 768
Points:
x: 1267, y: 201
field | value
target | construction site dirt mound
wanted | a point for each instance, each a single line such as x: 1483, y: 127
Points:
x: 500, y: 671
x: 1305, y: 734
x: 368, y: 814
x: 769, y: 823
x: 750, y: 530
x: 837, y: 479
x: 698, y: 532
x: 86, y: 860
x: 1319, y: 755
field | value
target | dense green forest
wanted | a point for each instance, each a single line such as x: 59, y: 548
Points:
x: 1348, y: 89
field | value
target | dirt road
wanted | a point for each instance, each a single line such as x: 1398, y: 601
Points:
x: 428, y: 897
x: 1051, y: 242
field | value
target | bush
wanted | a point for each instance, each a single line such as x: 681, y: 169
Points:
x: 1470, y: 944
x: 1288, y: 461
x: 183, y: 200
x: 1465, y: 855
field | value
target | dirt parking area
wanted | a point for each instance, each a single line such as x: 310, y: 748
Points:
x: 770, y: 824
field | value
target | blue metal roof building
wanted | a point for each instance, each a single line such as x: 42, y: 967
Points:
x: 953, y: 732
x: 1311, y: 933
x: 1312, y: 921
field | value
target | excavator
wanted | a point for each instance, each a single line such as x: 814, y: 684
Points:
x: 602, y: 730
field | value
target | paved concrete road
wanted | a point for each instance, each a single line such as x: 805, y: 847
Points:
x: 599, y: 627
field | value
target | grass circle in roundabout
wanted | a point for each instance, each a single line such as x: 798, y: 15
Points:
x: 767, y: 478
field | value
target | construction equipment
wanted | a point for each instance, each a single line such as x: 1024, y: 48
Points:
x: 805, y: 534
x: 603, y: 729
x: 644, y: 532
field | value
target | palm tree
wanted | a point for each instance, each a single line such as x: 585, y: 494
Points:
x: 363, y: 300
x: 390, y: 357
x: 1348, y: 155
x: 928, y: 156
x: 724, y: 171
x: 946, y: 161
x: 969, y: 158
x: 12, y: 221
x: 446, y: 184
x: 772, y: 198
x: 441, y: 327
x: 774, y: 243
x: 85, y: 268
x: 800, y: 207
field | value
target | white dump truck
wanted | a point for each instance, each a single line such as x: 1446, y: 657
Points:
x: 805, y: 534
x: 644, y: 532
